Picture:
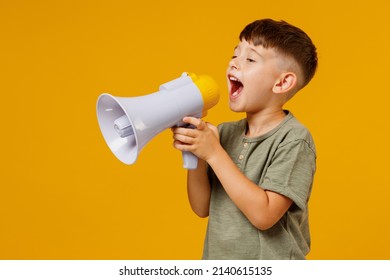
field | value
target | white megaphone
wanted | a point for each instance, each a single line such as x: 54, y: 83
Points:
x: 127, y: 124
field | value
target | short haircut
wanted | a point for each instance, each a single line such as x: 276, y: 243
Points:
x: 288, y: 40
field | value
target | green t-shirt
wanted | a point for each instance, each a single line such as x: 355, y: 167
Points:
x: 283, y: 161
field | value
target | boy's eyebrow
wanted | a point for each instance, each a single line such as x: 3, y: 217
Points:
x: 254, y: 50
x: 251, y: 48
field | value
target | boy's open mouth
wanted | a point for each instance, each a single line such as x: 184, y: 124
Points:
x: 235, y: 86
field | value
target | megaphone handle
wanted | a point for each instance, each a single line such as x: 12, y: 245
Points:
x: 190, y: 161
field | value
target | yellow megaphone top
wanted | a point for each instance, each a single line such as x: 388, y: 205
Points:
x: 208, y: 88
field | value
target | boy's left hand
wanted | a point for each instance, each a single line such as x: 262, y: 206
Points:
x: 202, y: 141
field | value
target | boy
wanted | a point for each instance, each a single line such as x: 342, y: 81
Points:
x: 254, y: 176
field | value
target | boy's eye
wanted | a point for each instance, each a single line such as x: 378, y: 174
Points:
x: 250, y: 60
x: 234, y: 56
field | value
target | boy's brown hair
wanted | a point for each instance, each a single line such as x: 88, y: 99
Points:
x: 288, y: 40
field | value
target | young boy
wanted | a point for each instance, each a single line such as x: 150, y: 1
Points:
x: 254, y: 176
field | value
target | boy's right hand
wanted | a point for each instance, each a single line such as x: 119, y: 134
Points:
x: 202, y: 141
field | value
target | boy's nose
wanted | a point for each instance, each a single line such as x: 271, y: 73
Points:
x: 234, y: 64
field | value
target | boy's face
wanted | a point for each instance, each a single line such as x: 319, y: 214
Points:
x: 252, y: 74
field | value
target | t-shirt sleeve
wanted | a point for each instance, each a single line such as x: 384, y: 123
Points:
x: 291, y: 172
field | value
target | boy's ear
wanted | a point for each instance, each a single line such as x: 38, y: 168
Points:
x: 285, y: 83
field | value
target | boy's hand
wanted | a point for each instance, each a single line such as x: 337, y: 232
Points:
x: 202, y: 141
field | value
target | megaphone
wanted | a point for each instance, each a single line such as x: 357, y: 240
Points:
x: 128, y: 124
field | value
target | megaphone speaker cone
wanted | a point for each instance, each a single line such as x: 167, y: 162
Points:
x: 117, y: 129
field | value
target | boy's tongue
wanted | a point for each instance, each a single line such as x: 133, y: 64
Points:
x: 236, y: 87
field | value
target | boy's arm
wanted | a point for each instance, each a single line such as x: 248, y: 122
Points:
x: 198, y: 185
x: 198, y: 189
x: 262, y: 208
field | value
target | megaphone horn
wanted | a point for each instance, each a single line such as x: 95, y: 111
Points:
x: 127, y: 124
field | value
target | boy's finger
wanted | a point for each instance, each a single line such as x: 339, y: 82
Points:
x: 181, y: 146
x: 184, y: 139
x: 185, y: 131
x: 191, y: 120
x: 198, y: 123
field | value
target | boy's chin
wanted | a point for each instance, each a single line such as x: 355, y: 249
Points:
x: 234, y: 108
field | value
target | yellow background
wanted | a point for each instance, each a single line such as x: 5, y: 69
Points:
x: 63, y: 195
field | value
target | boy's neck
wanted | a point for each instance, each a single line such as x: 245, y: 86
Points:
x: 263, y: 121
